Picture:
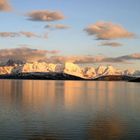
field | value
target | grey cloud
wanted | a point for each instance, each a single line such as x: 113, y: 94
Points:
x: 135, y: 56
x: 122, y: 59
x: 83, y: 59
x: 45, y: 15
x: 57, y: 26
x: 93, y: 59
x: 112, y: 44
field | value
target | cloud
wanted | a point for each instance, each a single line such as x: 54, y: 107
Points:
x: 9, y: 34
x: 112, y: 44
x: 5, y: 6
x: 122, y: 59
x: 28, y: 34
x: 45, y: 15
x: 93, y: 59
x: 25, y: 54
x: 113, y: 60
x: 83, y: 59
x: 19, y: 34
x: 57, y: 26
x: 107, y: 31
x: 135, y: 56
x: 61, y: 26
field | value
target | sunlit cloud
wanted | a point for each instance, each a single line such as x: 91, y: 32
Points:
x: 25, y: 54
x: 57, y: 26
x: 84, y: 59
x: 94, y: 59
x: 112, y: 44
x: 28, y: 34
x: 61, y: 26
x: 107, y: 31
x: 45, y: 15
x: 20, y: 34
x: 5, y: 6
x: 9, y: 34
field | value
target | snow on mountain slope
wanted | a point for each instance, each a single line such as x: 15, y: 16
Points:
x: 129, y: 72
x: 72, y: 69
x: 137, y: 73
x: 100, y: 70
x: 68, y: 68
x: 89, y: 72
x: 35, y: 67
x: 110, y: 70
x: 6, y: 70
x: 59, y: 68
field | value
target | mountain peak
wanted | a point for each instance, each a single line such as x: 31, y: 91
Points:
x: 100, y: 69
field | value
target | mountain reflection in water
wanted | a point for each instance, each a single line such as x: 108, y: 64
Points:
x: 76, y: 110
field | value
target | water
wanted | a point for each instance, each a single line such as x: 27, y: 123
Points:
x: 69, y: 110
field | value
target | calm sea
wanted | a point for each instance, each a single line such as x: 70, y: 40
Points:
x: 69, y: 110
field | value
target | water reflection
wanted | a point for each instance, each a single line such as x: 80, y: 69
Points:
x: 102, y: 127
x: 63, y: 110
x: 106, y: 127
x: 70, y: 94
x: 45, y: 136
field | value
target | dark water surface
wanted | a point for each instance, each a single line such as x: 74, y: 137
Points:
x: 69, y: 110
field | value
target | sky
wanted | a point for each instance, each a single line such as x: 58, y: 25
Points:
x: 81, y: 31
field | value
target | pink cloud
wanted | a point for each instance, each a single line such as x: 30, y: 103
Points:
x: 4, y: 5
x: 107, y: 31
x: 45, y: 15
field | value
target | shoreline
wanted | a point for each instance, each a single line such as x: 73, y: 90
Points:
x: 64, y: 76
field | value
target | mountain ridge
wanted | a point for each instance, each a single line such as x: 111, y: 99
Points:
x: 66, y: 68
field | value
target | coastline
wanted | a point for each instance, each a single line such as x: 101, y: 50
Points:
x: 64, y: 76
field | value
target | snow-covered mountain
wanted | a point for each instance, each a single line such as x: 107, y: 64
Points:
x: 6, y: 69
x: 72, y: 69
x: 129, y: 72
x: 100, y: 70
x: 68, y: 68
x: 137, y: 73
x: 110, y: 70
x: 89, y: 72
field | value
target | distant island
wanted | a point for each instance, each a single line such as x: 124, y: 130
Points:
x: 66, y: 71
